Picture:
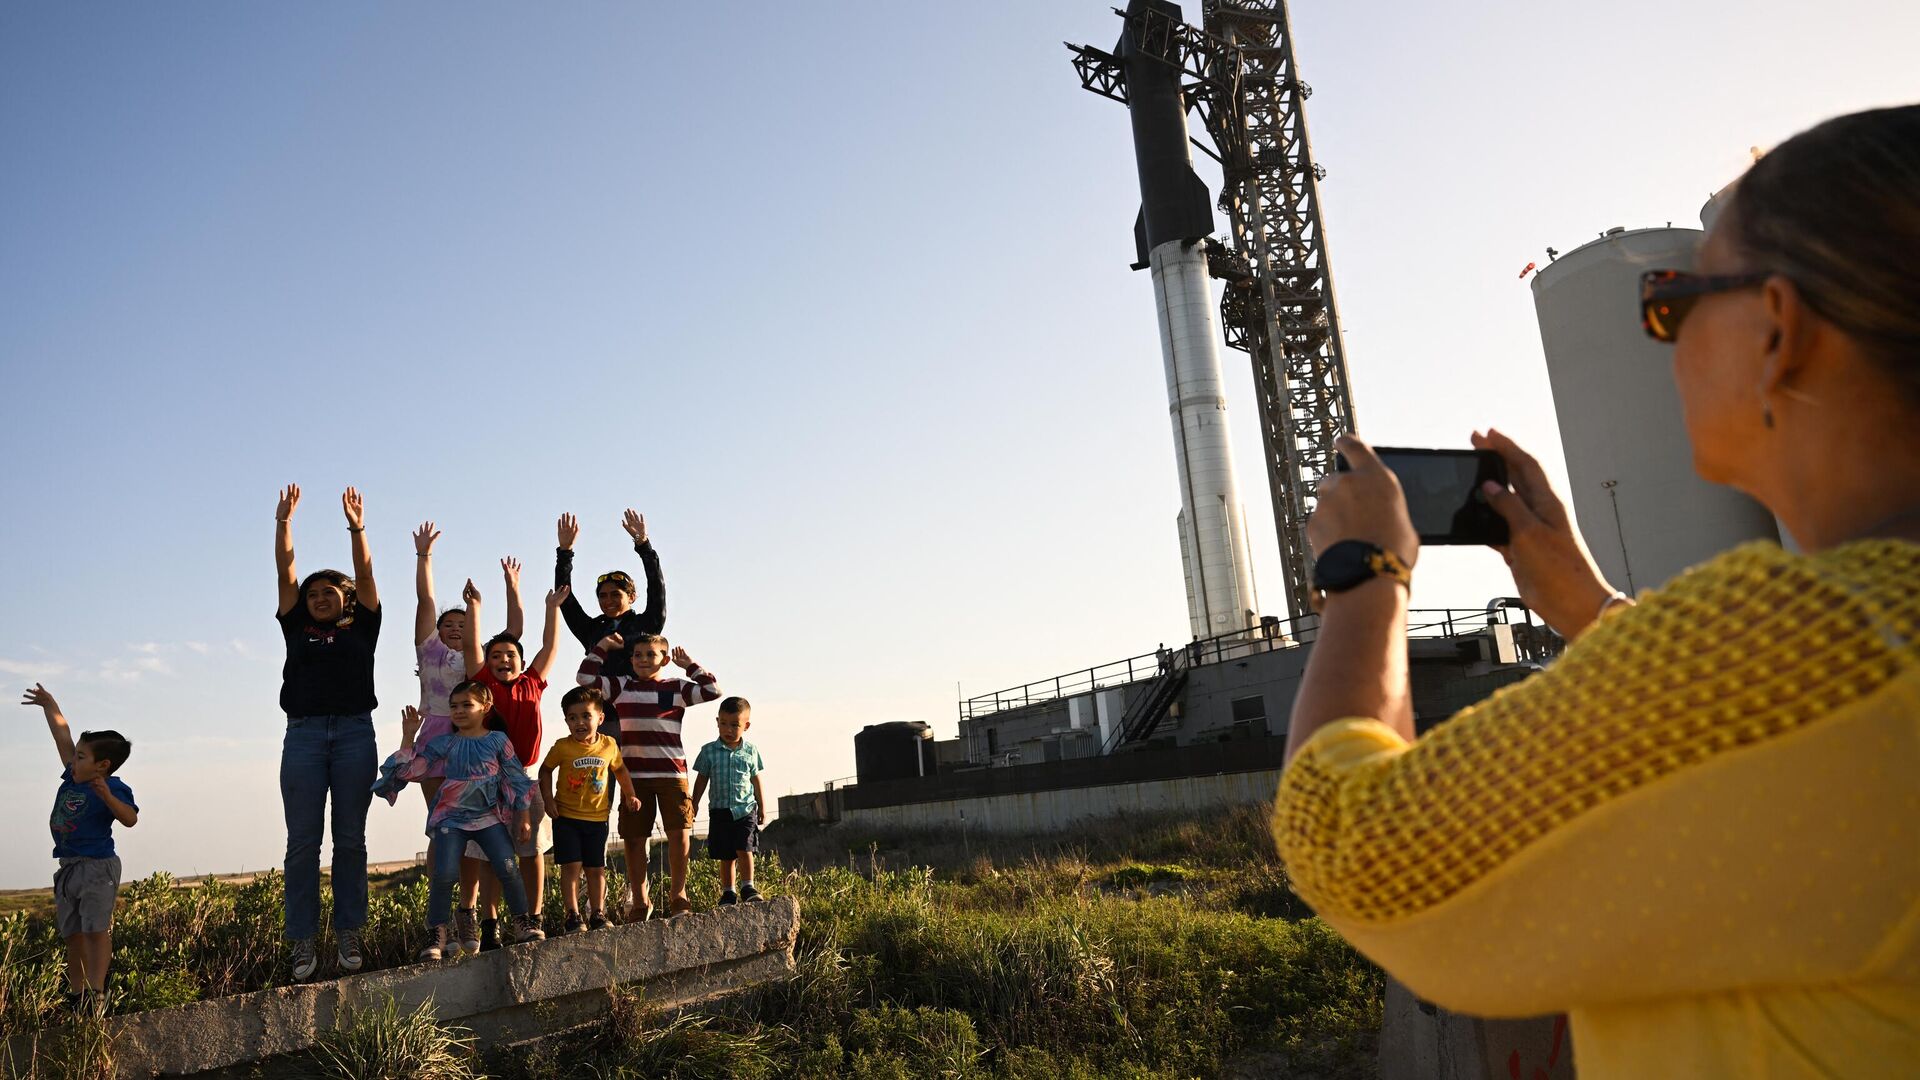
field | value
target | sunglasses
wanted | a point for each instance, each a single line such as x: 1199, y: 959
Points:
x: 618, y: 576
x: 1666, y: 296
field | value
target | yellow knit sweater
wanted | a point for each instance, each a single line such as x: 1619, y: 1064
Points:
x: 1698, y: 833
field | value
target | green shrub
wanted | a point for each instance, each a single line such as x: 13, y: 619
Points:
x: 384, y: 1043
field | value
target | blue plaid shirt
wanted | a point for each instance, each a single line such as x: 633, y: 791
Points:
x: 731, y: 772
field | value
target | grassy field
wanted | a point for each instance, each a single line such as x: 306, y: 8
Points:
x: 1140, y: 948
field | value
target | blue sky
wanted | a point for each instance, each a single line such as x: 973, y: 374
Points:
x: 837, y: 295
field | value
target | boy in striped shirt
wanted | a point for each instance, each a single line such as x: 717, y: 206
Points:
x: 650, y: 708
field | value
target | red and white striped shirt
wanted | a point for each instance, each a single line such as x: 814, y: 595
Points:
x: 650, y: 712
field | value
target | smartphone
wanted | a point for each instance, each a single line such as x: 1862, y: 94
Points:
x: 1443, y: 492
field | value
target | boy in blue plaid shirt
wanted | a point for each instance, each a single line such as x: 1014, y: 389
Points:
x: 733, y: 766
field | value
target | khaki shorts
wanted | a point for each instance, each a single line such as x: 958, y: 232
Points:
x: 669, y: 795
x: 542, y: 835
x: 84, y: 891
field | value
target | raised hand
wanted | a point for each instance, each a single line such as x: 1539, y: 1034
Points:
x: 681, y: 658
x: 354, y: 507
x: 612, y: 642
x: 635, y: 525
x: 99, y: 786
x: 39, y: 696
x: 510, y: 567
x: 409, y: 724
x: 556, y: 597
x: 289, y: 498
x: 471, y: 595
x: 569, y: 530
x: 1552, y: 569
x: 423, y: 538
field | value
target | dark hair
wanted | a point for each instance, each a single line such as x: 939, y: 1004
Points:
x: 735, y: 705
x: 504, y: 638
x: 339, y: 581
x: 473, y: 688
x: 621, y: 580
x: 107, y: 745
x: 442, y: 620
x: 584, y: 695
x: 646, y: 639
x: 1836, y: 209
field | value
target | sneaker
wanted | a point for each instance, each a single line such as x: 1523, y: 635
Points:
x: 489, y: 934
x: 597, y: 921
x: 466, y: 930
x: 727, y: 899
x: 346, y: 949
x: 748, y: 893
x: 527, y: 928
x: 436, y: 943
x: 302, y: 960
x: 574, y: 923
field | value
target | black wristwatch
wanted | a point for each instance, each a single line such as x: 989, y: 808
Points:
x: 1355, y: 562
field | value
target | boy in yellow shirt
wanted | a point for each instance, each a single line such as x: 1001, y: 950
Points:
x: 585, y: 760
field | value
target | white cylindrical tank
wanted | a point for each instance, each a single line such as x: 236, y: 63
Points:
x: 1220, y: 596
x: 1644, y: 512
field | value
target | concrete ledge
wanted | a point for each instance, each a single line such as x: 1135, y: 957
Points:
x: 1420, y: 1041
x: 514, y: 993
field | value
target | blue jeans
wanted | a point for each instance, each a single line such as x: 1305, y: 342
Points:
x: 327, y: 755
x: 443, y: 853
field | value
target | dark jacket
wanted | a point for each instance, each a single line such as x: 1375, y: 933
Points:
x: 591, y: 628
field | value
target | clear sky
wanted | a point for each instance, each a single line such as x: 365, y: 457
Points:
x: 836, y: 294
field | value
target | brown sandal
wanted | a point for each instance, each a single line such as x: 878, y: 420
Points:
x: 679, y: 905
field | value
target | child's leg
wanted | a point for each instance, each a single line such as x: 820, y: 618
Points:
x: 726, y: 875
x: 745, y: 859
x: 99, y: 952
x: 77, y: 962
x: 499, y: 848
x: 443, y: 858
x: 596, y: 889
x: 475, y: 884
x: 636, y: 830
x: 533, y: 864
x: 570, y: 886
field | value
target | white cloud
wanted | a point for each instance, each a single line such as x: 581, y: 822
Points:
x: 34, y: 669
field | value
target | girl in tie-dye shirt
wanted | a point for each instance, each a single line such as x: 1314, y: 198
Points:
x: 485, y: 792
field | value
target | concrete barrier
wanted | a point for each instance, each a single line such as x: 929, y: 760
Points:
x: 1421, y: 1041
x: 1056, y: 810
x: 511, y: 994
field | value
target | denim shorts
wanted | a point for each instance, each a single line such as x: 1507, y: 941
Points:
x: 84, y: 891
x: 583, y: 842
x: 532, y: 849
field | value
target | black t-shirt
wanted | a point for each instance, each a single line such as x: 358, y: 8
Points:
x: 329, y: 669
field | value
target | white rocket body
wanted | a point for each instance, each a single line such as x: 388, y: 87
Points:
x: 1213, y: 538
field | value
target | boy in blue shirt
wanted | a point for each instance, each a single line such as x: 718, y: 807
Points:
x: 739, y: 804
x: 87, y: 883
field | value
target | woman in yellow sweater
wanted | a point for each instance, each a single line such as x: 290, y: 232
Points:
x: 1698, y: 832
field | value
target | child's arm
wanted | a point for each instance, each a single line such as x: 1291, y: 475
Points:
x: 424, y: 617
x: 56, y: 723
x: 591, y: 663
x: 283, y: 547
x: 516, y: 611
x: 699, y: 789
x: 522, y: 826
x: 578, y: 621
x: 546, y: 789
x: 126, y: 815
x: 470, y: 643
x: 759, y: 800
x: 366, y: 594
x: 550, y: 635
x: 622, y: 777
x: 519, y: 791
x: 655, y: 615
x: 403, y: 764
x: 702, y: 686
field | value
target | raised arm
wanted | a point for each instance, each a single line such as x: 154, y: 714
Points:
x: 366, y: 594
x: 549, y: 636
x: 595, y: 659
x: 288, y: 581
x: 424, y: 615
x: 56, y: 723
x: 470, y: 642
x: 654, y: 617
x: 516, y: 612
x: 578, y: 622
x: 700, y: 684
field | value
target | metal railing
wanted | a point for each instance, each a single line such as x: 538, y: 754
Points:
x: 1540, y: 645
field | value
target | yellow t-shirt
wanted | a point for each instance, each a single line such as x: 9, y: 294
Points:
x: 583, y: 780
x: 1697, y: 833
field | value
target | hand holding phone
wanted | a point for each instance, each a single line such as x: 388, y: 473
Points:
x: 1443, y: 493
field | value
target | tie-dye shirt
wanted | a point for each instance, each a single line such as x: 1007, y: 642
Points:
x: 485, y: 783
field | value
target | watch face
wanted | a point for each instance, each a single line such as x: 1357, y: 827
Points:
x: 1343, y: 566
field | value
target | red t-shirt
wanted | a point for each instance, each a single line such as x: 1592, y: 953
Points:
x: 518, y: 703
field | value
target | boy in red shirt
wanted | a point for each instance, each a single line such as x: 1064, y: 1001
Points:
x: 497, y: 665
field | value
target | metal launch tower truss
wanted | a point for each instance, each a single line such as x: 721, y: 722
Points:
x: 1278, y: 305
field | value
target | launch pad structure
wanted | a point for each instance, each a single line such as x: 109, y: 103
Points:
x: 1237, y: 72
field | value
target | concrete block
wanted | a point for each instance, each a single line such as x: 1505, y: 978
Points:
x: 513, y: 993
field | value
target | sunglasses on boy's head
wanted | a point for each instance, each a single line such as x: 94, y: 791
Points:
x: 1666, y: 296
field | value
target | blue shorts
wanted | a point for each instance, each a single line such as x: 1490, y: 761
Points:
x: 727, y: 835
x: 583, y: 842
